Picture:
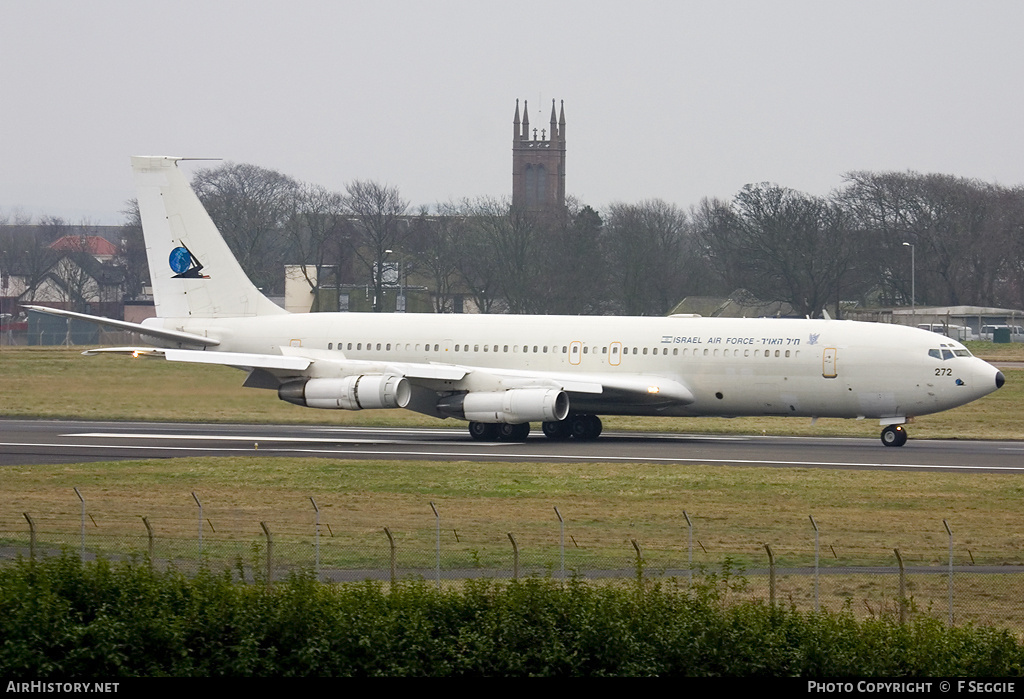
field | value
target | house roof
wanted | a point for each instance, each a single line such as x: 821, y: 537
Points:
x: 92, y: 244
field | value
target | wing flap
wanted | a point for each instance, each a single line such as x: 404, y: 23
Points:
x: 233, y: 359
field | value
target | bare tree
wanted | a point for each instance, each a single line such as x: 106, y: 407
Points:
x: 439, y: 254
x: 316, y: 231
x: 955, y: 225
x: 375, y: 211
x: 251, y: 206
x: 783, y: 245
x: 573, y: 273
x: 131, y: 253
x: 649, y: 247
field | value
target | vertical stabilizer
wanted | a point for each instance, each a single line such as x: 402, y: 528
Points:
x: 194, y: 273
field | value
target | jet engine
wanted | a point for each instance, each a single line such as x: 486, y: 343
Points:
x: 350, y: 393
x: 513, y: 407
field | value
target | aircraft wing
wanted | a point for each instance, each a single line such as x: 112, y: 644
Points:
x: 172, y: 335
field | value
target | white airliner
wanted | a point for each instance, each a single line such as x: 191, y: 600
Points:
x: 502, y: 372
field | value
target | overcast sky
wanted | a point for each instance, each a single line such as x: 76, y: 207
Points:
x: 675, y: 100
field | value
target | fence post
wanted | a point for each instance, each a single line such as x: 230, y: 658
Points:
x: 816, y: 550
x: 391, y: 542
x: 316, y: 537
x: 903, y: 587
x: 639, y: 559
x: 771, y: 576
x: 149, y: 534
x: 270, y: 552
x: 950, y: 532
x: 689, y: 547
x: 437, y: 545
x: 31, y: 536
x: 561, y: 542
x: 515, y: 556
x: 200, y: 505
x: 79, y: 494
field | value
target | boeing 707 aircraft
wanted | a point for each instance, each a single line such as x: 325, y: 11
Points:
x: 502, y: 372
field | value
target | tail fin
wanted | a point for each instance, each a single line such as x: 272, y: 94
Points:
x: 191, y: 268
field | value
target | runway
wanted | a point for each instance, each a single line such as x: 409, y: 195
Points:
x: 59, y: 441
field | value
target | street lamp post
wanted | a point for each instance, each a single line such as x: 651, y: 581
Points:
x: 913, y: 285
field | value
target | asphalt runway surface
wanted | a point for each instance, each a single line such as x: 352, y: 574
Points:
x: 60, y: 441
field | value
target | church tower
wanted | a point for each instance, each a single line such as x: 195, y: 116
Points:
x: 538, y: 163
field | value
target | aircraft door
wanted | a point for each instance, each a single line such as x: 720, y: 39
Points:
x: 575, y: 353
x: 615, y: 353
x: 828, y: 363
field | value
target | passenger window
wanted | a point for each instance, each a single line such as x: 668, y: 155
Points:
x: 330, y: 345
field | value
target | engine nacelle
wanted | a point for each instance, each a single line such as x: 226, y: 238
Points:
x: 514, y: 407
x: 350, y: 393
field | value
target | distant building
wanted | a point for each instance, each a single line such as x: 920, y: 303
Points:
x: 98, y: 247
x: 538, y: 164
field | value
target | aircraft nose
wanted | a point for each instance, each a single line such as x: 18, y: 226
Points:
x: 1000, y: 379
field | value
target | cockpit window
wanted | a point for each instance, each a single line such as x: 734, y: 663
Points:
x: 944, y: 354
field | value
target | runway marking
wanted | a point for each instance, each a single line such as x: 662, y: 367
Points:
x: 231, y: 438
x: 533, y: 455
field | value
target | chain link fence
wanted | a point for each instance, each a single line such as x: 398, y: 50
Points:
x: 928, y: 574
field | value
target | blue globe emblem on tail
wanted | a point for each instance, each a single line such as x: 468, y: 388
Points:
x: 180, y: 260
x: 184, y: 264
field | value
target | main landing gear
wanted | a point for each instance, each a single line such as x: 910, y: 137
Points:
x: 499, y: 432
x: 894, y: 436
x: 584, y: 427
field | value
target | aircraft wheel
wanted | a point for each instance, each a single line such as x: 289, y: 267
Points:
x: 559, y: 430
x: 894, y: 436
x: 585, y: 427
x: 483, y: 431
x: 513, y: 433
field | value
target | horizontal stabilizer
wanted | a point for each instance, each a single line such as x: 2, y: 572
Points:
x: 173, y: 335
